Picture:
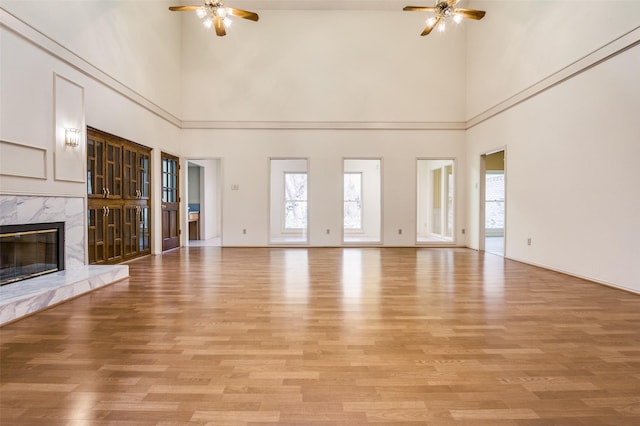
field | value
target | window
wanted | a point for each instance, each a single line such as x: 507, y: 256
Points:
x: 494, y: 198
x: 295, y: 200
x: 353, y: 201
x: 288, y: 209
x: 362, y: 200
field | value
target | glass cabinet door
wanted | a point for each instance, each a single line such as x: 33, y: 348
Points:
x: 96, y: 235
x: 95, y: 168
x: 144, y: 174
x: 129, y: 169
x: 144, y: 229
x: 114, y: 173
x: 114, y: 246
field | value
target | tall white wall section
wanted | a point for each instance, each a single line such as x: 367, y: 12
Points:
x: 565, y: 101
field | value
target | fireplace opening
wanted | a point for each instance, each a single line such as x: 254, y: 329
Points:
x: 30, y: 250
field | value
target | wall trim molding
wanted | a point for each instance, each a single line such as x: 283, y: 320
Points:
x: 602, y: 54
x: 325, y: 125
x: 59, y: 148
x: 571, y: 274
x: 37, y: 156
x: 22, y: 29
x: 5, y: 193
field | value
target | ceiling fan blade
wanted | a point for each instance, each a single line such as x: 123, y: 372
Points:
x: 183, y: 8
x: 243, y: 14
x: 452, y: 2
x: 471, y: 14
x: 430, y: 28
x: 218, y: 23
x: 419, y: 9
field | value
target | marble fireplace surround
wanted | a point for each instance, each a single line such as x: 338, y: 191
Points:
x: 28, y: 296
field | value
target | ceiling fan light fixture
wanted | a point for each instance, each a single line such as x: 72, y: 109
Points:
x: 444, y: 10
x: 214, y: 14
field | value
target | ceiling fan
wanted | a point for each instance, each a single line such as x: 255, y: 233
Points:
x: 215, y: 14
x: 445, y: 9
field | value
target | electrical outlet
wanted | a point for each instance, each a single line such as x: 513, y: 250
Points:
x: 400, y: 231
x: 528, y: 241
x: 244, y: 231
x: 463, y: 231
x: 235, y: 187
x: 328, y: 231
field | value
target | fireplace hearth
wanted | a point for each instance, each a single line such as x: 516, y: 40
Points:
x: 30, y: 250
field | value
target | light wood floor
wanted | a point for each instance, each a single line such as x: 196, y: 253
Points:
x: 329, y: 336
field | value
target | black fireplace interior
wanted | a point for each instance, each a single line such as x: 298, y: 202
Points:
x: 30, y: 250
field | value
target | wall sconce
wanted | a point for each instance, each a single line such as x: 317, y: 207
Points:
x: 72, y: 137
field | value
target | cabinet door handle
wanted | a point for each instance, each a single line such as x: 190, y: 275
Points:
x: 108, y: 193
x: 104, y: 192
x: 164, y: 206
x: 107, y: 211
x: 104, y: 210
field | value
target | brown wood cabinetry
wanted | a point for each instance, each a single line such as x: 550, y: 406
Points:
x: 118, y: 191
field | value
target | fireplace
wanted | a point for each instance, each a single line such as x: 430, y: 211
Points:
x: 30, y: 250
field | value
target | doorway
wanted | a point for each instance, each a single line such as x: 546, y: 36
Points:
x: 493, y: 202
x: 203, y: 209
x: 170, y: 202
x: 435, y: 201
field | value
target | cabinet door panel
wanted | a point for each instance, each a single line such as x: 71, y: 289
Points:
x: 114, y: 246
x: 144, y: 227
x: 114, y: 170
x: 144, y: 174
x: 130, y: 177
x: 130, y: 230
x: 96, y: 235
x: 95, y: 167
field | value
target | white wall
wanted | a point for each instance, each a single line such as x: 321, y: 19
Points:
x: 136, y: 42
x: 572, y: 149
x: 518, y: 43
x: 246, y: 153
x: 285, y: 87
x: 320, y: 65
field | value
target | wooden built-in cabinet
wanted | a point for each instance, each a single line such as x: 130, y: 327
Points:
x: 118, y: 192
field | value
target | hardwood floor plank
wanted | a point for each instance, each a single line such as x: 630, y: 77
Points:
x: 328, y: 336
